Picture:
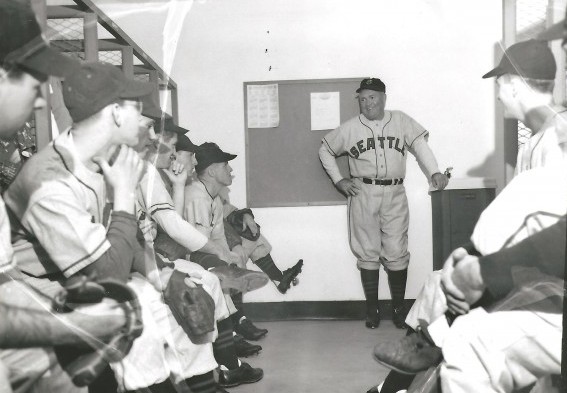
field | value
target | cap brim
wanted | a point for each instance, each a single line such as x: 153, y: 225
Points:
x: 495, y: 72
x: 555, y: 32
x: 229, y: 157
x: 48, y: 61
x: 136, y: 89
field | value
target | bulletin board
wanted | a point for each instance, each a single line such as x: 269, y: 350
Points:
x: 282, y: 163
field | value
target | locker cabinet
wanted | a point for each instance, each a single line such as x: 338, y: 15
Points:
x: 455, y: 212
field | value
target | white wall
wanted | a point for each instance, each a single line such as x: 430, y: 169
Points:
x: 430, y: 53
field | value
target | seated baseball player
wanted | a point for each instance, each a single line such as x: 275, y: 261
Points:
x: 59, y: 206
x: 174, y: 174
x: 203, y: 209
x: 244, y: 238
x: 155, y: 211
x: 27, y: 323
x: 531, y: 83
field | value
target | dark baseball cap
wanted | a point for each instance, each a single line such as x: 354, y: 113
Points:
x: 168, y: 124
x: 151, y: 107
x: 372, y: 84
x: 185, y: 144
x: 22, y: 43
x: 96, y: 85
x: 529, y: 59
x: 210, y: 153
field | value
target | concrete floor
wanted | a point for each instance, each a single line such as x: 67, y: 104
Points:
x: 319, y: 356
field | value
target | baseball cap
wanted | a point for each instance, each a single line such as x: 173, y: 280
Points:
x: 22, y: 43
x: 529, y: 59
x: 168, y: 124
x: 151, y: 107
x: 185, y: 144
x: 210, y: 153
x: 372, y: 84
x: 96, y: 85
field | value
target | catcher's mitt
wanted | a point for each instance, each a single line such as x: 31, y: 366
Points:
x: 193, y: 308
x: 84, y: 365
x: 235, y: 219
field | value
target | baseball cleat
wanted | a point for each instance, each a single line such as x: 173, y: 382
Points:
x: 250, y: 332
x: 399, y: 317
x: 242, y: 280
x: 244, y: 349
x: 290, y: 277
x: 372, y: 321
x: 243, y: 374
x: 410, y: 355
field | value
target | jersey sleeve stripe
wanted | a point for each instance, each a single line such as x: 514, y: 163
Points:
x: 425, y: 132
x: 329, y: 147
x: 87, y: 259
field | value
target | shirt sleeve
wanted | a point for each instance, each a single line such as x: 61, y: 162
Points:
x: 330, y: 163
x: 415, y: 138
x: 544, y: 250
x: 67, y: 232
x: 160, y: 208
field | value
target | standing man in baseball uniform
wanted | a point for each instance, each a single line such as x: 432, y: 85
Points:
x: 377, y: 142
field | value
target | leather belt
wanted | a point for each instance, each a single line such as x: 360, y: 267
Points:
x: 383, y: 182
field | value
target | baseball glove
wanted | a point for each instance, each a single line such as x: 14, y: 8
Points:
x: 192, y: 307
x: 235, y: 219
x: 84, y: 365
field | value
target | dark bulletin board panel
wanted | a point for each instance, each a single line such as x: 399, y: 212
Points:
x: 282, y: 163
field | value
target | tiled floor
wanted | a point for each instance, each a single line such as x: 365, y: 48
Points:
x: 319, y: 356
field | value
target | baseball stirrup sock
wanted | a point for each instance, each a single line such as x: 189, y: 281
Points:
x: 237, y: 300
x: 267, y: 265
x: 397, y: 281
x: 204, y: 383
x: 370, y: 286
x: 223, y: 347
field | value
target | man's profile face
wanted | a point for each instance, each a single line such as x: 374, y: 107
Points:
x: 223, y: 173
x: 19, y: 96
x: 371, y: 104
x: 165, y: 149
x: 507, y: 96
x: 187, y: 159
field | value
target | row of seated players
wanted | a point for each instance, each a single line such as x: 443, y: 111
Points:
x: 73, y: 213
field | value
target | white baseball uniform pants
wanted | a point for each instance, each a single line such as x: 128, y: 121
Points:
x: 378, y: 220
x: 500, y: 351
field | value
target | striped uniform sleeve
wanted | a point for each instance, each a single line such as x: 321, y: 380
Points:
x: 6, y: 252
x: 160, y: 208
x: 66, y: 231
x: 332, y: 146
x: 415, y: 138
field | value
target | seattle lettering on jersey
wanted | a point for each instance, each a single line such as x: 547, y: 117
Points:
x: 388, y: 142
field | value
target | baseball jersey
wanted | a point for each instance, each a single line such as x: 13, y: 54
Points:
x: 205, y: 212
x: 548, y: 146
x: 60, y: 211
x: 7, y: 261
x: 155, y: 207
x: 532, y: 201
x: 377, y: 149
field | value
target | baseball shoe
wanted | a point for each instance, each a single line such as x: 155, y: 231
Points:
x: 250, y: 332
x: 399, y: 317
x: 375, y: 389
x: 243, y: 374
x: 372, y: 321
x: 242, y: 280
x: 410, y: 355
x: 290, y: 277
x: 243, y: 348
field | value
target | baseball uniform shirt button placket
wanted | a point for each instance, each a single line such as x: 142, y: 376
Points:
x: 383, y: 182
